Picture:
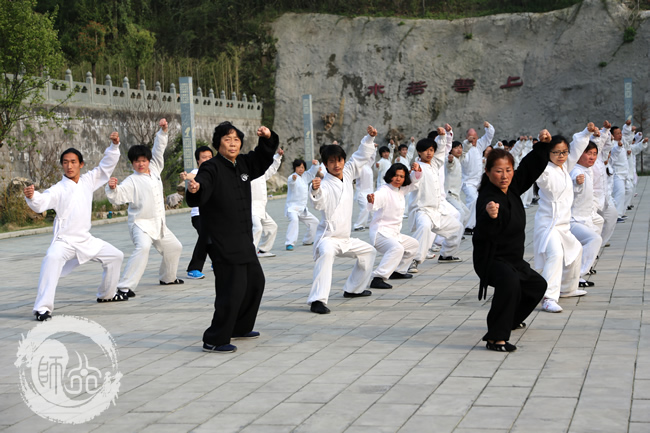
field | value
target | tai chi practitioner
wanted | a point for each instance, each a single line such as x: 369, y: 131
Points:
x: 639, y: 144
x: 364, y: 186
x: 143, y: 191
x: 221, y: 190
x: 557, y: 251
x: 453, y: 181
x: 333, y: 196
x: 606, y: 207
x: 72, y: 244
x: 622, y: 191
x: 586, y: 224
x: 473, y: 166
x: 406, y: 153
x: 200, y: 253
x: 429, y: 213
x: 384, y: 163
x: 388, y: 205
x: 296, y: 206
x: 264, y: 228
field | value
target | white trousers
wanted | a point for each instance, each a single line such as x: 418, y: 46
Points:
x: 364, y: 213
x: 471, y: 195
x: 450, y: 228
x: 61, y: 259
x: 264, y: 232
x: 462, y: 209
x: 630, y: 188
x: 305, y: 217
x: 609, y: 214
x: 622, y: 193
x: 398, y: 253
x: 591, y: 243
x: 358, y: 280
x: 168, y: 246
x: 559, y: 278
x: 527, y: 197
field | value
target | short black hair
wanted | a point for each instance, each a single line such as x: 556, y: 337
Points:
x: 425, y: 144
x: 433, y: 134
x: 392, y: 171
x: 402, y: 146
x: 71, y: 150
x: 137, y: 151
x: 200, y: 150
x: 557, y: 139
x: 590, y: 146
x: 298, y: 162
x: 383, y: 149
x: 332, y: 150
x: 223, y: 129
x: 456, y: 143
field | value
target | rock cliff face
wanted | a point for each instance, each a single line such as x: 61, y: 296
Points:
x: 572, y: 64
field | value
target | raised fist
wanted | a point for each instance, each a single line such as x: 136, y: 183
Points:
x: 372, y: 131
x: 263, y: 131
x: 115, y: 137
x: 371, y: 198
x: 492, y: 209
x: 112, y: 183
x: 315, y: 184
x: 580, y: 179
x: 29, y: 191
x: 416, y: 167
x: 163, y: 125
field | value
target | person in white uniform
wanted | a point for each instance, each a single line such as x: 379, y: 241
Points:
x: 605, y: 205
x: 453, y: 181
x: 333, y: 196
x: 622, y: 190
x: 472, y: 165
x: 429, y: 213
x: 264, y: 228
x: 72, y: 244
x: 385, y: 161
x: 143, y: 191
x: 406, y: 153
x: 557, y: 252
x: 364, y: 186
x: 296, y: 207
x: 388, y: 205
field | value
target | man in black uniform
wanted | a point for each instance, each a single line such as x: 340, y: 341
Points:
x: 222, y: 191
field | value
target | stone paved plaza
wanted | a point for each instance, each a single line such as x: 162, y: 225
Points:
x: 408, y: 359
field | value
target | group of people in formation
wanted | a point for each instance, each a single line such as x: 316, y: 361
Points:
x: 582, y: 188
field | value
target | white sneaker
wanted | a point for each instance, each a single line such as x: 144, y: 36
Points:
x: 430, y: 255
x: 265, y: 254
x: 435, y: 248
x: 573, y: 294
x: 551, y: 306
x: 413, y: 269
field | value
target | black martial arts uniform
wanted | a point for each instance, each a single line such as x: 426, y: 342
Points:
x: 224, y: 201
x: 499, y: 248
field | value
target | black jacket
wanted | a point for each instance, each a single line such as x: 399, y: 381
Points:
x: 503, y: 238
x: 224, y: 200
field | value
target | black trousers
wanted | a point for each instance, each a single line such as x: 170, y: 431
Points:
x: 517, y: 291
x: 200, y: 249
x: 238, y: 293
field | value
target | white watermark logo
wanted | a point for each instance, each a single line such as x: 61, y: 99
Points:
x: 64, y: 387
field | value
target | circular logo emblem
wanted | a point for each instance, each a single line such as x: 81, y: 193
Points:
x: 244, y: 177
x: 63, y: 376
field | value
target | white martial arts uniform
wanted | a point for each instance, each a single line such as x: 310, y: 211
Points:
x: 518, y: 151
x: 410, y: 152
x: 386, y: 227
x: 429, y: 213
x: 453, y: 185
x: 264, y: 228
x: 586, y: 224
x: 364, y: 187
x: 296, y: 207
x: 636, y: 147
x: 144, y: 194
x: 383, y: 165
x: 557, y: 251
x: 334, y: 199
x: 605, y: 205
x: 72, y: 243
x: 622, y: 181
x: 472, y: 167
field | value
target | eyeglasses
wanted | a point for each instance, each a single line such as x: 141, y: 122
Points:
x: 560, y: 153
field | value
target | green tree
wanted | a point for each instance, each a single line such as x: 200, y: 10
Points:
x: 28, y: 47
x: 91, y: 44
x: 138, y: 47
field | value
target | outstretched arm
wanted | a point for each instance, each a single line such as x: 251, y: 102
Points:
x: 159, y: 146
x: 103, y: 171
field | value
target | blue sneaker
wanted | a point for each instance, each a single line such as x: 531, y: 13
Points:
x: 289, y: 247
x: 195, y: 275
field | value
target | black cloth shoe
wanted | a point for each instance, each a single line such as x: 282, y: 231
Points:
x: 319, y: 308
x: 251, y: 335
x: 42, y: 317
x: 507, y: 347
x: 469, y: 232
x: 448, y: 259
x: 398, y: 276
x: 176, y: 281
x: 129, y: 293
x: 356, y: 295
x: 586, y: 284
x: 119, y: 296
x: 379, y: 283
x: 224, y: 348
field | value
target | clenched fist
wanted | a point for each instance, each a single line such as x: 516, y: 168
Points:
x: 371, y: 198
x: 580, y: 179
x: 115, y: 137
x: 112, y: 183
x: 492, y: 209
x: 315, y: 184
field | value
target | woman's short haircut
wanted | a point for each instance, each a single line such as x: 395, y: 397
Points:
x: 298, y: 162
x: 456, y: 143
x: 402, y: 146
x: 137, y: 151
x: 392, y: 171
x: 72, y: 150
x: 557, y: 139
x: 223, y: 129
x: 590, y: 146
x: 498, y: 154
x: 332, y: 150
x: 200, y: 150
x: 425, y: 144
x: 383, y: 149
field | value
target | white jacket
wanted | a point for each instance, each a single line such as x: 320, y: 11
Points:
x: 259, y: 195
x: 297, y: 190
x: 472, y: 158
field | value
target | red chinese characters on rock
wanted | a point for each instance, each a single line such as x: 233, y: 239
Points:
x: 463, y: 85
x: 375, y: 89
x: 513, y: 82
x: 416, y: 87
